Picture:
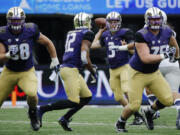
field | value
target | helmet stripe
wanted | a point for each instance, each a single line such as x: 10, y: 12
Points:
x: 156, y: 11
x: 78, y: 20
x: 14, y: 11
x: 153, y: 10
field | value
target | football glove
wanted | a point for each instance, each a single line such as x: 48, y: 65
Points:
x: 94, y: 73
x: 170, y: 53
x: 55, y: 64
x: 13, y: 51
x: 174, y: 59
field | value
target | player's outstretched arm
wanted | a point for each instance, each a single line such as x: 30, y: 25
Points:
x: 144, y: 54
x: 43, y: 40
x: 173, y: 43
x: 85, y: 58
x: 123, y: 47
x: 96, y: 41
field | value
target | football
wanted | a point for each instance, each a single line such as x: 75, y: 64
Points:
x: 100, y: 22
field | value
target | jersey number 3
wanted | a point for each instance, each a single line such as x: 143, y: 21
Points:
x: 112, y: 52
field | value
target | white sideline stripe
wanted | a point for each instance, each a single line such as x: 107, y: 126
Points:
x: 23, y: 104
x: 84, y: 123
x: 19, y: 104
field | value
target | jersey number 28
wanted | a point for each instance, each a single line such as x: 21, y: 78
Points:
x: 24, y: 52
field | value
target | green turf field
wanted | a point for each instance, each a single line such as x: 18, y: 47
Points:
x: 89, y: 121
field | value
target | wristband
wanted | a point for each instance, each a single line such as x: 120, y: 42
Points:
x: 123, y: 48
x: 55, y: 60
x: 7, y: 55
x: 177, y: 58
x: 162, y: 56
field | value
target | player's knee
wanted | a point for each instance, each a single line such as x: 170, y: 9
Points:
x: 135, y: 106
x: 168, y: 101
x: 118, y: 97
x: 71, y: 104
x: 1, y: 102
x: 31, y: 93
x: 74, y: 100
x: 85, y: 100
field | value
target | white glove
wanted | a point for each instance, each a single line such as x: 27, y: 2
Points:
x: 170, y: 53
x: 54, y: 63
x: 119, y: 48
x: 55, y: 66
x: 13, y: 51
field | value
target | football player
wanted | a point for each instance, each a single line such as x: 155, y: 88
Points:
x: 170, y: 70
x: 17, y: 39
x: 113, y: 38
x: 150, y: 50
x: 76, y: 55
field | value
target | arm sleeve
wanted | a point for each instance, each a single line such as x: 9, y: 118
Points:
x: 139, y: 38
x: 129, y: 36
x: 89, y: 36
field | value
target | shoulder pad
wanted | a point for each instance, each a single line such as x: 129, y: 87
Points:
x: 143, y: 31
x: 105, y: 33
x: 86, y: 30
x: 165, y: 27
x: 90, y: 31
x: 122, y: 31
x: 29, y: 25
x: 2, y: 29
x: 125, y: 29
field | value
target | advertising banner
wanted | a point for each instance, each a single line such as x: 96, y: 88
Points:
x: 90, y: 6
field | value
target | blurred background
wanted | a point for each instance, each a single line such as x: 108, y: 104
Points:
x: 55, y: 19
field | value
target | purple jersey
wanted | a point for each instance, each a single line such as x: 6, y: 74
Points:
x: 116, y: 58
x: 157, y: 45
x: 72, y: 55
x: 24, y: 42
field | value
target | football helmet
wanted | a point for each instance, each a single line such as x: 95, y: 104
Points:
x: 113, y: 21
x: 153, y: 18
x: 164, y: 17
x: 82, y: 20
x: 15, y: 18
